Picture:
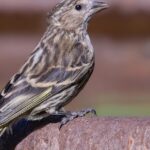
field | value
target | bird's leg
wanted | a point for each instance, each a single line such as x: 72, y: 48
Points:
x: 72, y: 115
x: 66, y: 115
x: 69, y: 116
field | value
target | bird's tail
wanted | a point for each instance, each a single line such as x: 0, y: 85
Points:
x: 1, y: 96
x: 2, y: 130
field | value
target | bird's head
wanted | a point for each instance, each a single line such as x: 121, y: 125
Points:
x: 74, y: 14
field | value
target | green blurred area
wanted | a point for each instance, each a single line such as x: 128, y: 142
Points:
x: 121, y: 105
x: 123, y: 110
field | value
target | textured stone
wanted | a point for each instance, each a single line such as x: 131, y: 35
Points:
x: 92, y: 134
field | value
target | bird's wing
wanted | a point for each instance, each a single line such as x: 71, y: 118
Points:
x: 25, y: 92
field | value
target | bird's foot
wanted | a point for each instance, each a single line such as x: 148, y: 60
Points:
x: 69, y: 116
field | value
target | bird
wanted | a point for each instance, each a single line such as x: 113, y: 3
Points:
x: 57, y: 69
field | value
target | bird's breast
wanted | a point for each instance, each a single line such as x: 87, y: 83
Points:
x: 70, y: 50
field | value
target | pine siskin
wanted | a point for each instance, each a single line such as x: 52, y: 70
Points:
x: 57, y: 70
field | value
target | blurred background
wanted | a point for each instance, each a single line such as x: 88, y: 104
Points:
x: 120, y: 85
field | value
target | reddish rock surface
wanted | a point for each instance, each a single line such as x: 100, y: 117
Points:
x: 92, y: 134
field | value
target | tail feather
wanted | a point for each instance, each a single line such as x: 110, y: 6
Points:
x: 1, y: 99
x: 2, y: 131
x: 1, y: 96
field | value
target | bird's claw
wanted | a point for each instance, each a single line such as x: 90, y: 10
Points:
x: 72, y: 115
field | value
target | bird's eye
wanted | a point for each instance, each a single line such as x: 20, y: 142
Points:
x: 78, y: 7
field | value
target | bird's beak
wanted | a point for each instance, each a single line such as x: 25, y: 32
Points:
x: 98, y: 5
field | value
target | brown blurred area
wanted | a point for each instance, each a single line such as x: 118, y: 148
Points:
x: 120, y: 36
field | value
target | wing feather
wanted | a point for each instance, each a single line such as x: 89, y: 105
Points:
x: 9, y: 114
x: 31, y: 86
x: 14, y: 107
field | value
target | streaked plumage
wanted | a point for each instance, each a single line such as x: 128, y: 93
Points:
x: 58, y: 68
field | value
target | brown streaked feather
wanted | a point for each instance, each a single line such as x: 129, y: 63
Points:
x: 12, y: 110
x: 56, y: 71
x: 35, y: 79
